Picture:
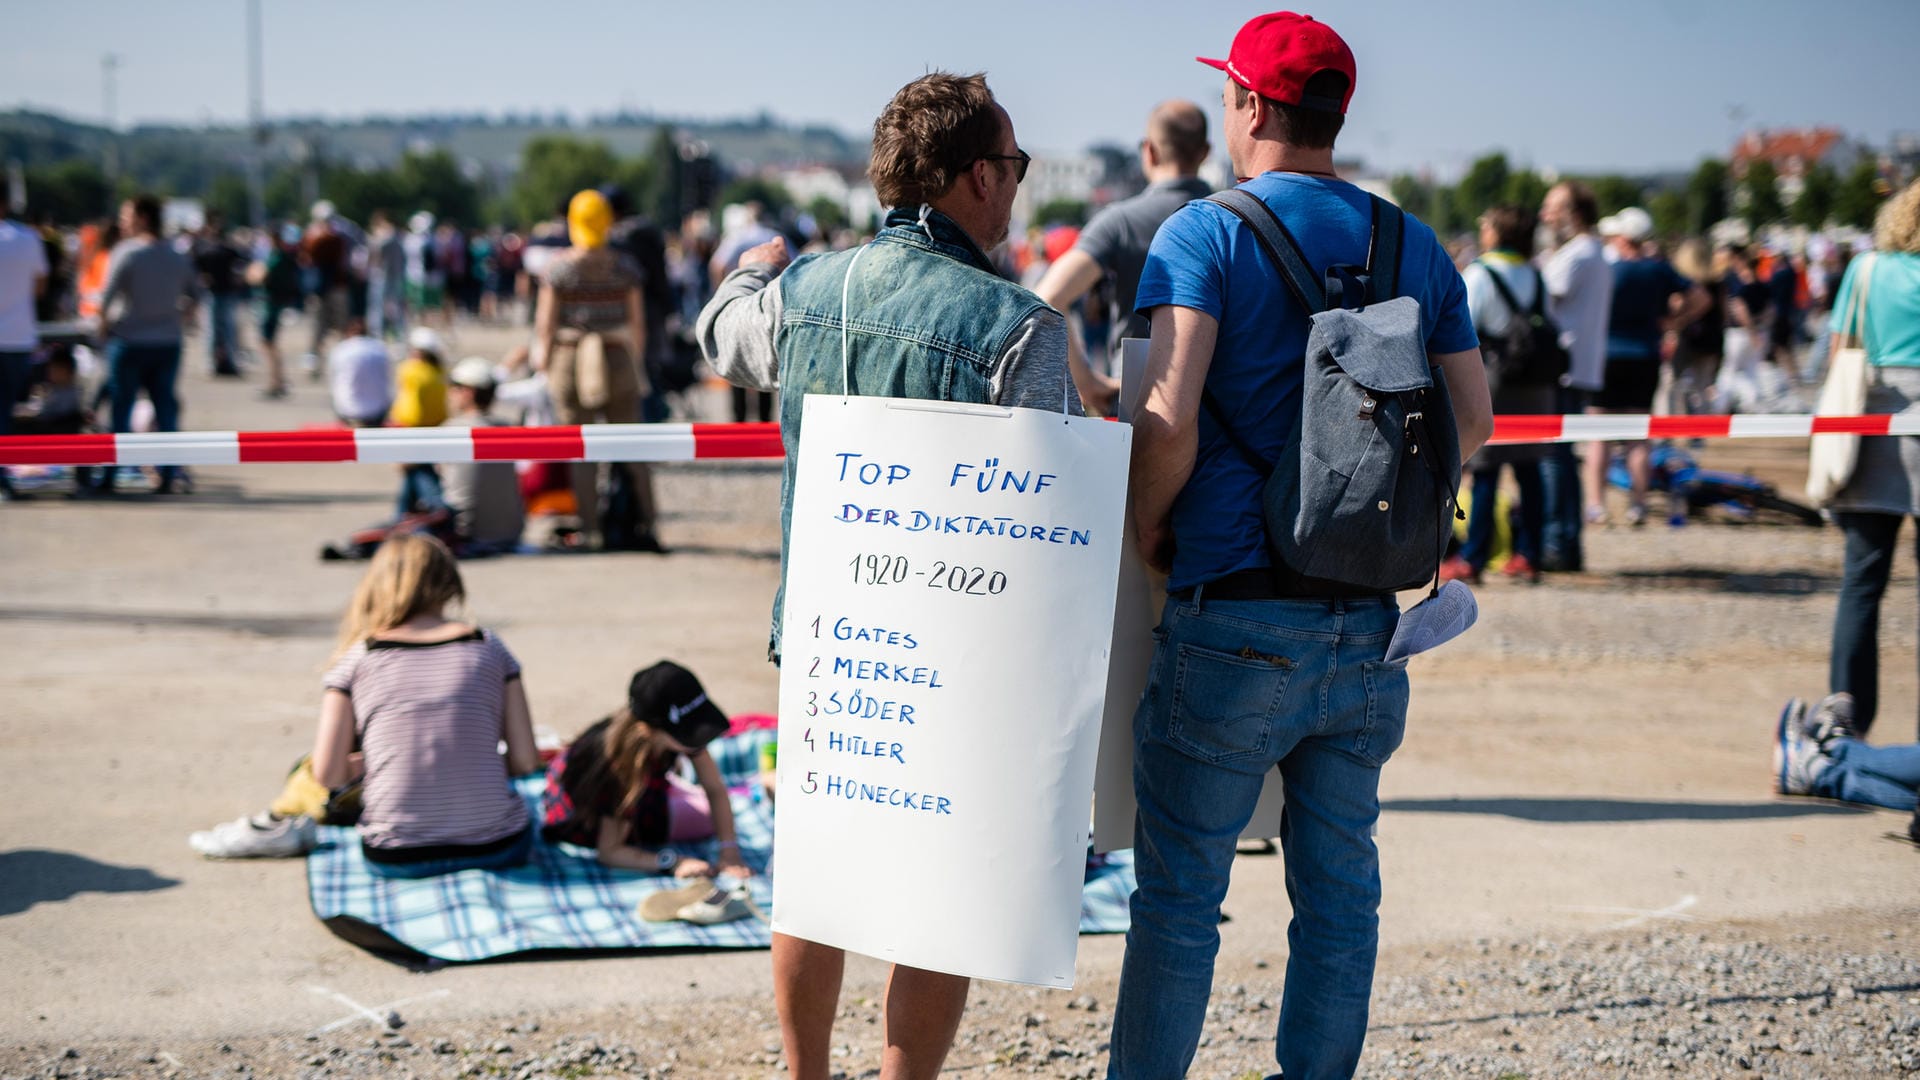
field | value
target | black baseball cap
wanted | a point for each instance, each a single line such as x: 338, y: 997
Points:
x: 668, y: 697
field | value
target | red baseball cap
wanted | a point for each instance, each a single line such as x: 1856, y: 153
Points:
x: 1275, y: 54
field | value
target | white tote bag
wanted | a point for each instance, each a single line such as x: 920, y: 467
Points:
x: 1830, y: 458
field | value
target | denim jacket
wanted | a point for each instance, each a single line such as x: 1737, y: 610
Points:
x: 926, y: 318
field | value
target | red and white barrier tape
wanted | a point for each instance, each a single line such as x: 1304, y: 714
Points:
x: 699, y: 442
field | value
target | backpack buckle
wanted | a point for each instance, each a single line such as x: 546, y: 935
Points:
x: 1367, y: 405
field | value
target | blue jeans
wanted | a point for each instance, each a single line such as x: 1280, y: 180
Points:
x: 16, y: 372
x: 512, y: 856
x: 1239, y: 688
x: 1886, y: 776
x: 1854, y: 666
x: 420, y: 491
x: 154, y: 369
x: 222, y: 342
x: 1561, y: 503
x: 1483, y: 518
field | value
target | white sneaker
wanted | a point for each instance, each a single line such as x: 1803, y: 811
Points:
x: 261, y: 836
x: 722, y: 905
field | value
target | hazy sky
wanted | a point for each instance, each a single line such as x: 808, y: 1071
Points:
x: 1625, y: 84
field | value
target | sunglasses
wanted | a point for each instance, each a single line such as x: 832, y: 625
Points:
x: 1021, y: 156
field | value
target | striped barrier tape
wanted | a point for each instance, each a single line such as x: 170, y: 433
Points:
x: 701, y: 442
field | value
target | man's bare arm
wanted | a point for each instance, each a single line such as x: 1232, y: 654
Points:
x: 1166, y: 427
x: 1472, y: 405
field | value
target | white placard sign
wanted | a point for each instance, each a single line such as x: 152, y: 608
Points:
x: 1142, y: 594
x: 949, y: 594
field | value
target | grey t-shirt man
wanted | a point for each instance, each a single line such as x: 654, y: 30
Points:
x: 146, y: 280
x: 1118, y: 238
x: 484, y: 495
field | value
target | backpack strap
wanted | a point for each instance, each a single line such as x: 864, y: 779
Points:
x: 1279, y: 245
x: 1383, y: 250
x: 1506, y: 294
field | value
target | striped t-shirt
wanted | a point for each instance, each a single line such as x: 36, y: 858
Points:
x: 429, y: 718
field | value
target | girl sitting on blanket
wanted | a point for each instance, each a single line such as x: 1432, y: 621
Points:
x: 616, y: 789
x: 417, y: 705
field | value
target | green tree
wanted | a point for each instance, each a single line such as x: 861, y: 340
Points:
x: 1706, y: 196
x: 1671, y: 215
x: 1614, y: 192
x: 553, y: 168
x: 769, y: 194
x: 1760, y: 195
x: 228, y: 195
x: 71, y: 192
x: 1060, y: 212
x: 668, y: 199
x: 827, y: 214
x: 1526, y: 189
x: 435, y: 182
x: 1815, y: 203
x: 1859, y: 195
x: 1409, y: 192
x: 1484, y: 184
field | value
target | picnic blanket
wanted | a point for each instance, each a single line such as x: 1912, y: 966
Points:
x: 563, y: 899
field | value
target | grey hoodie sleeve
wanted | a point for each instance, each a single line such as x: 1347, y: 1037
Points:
x: 737, y: 327
x: 1031, y: 373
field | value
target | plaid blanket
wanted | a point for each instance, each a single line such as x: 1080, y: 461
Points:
x: 563, y: 899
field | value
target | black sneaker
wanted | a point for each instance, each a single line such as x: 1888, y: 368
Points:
x: 1831, y: 719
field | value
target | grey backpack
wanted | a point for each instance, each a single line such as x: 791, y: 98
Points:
x: 1363, y: 500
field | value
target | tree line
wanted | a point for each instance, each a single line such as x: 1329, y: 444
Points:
x: 1709, y: 195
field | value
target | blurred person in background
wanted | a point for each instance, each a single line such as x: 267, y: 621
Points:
x: 386, y: 279
x: 488, y: 515
x: 150, y: 287
x: 23, y: 279
x: 1114, y: 244
x: 420, y: 401
x: 635, y: 236
x: 1579, y: 297
x: 361, y: 373
x: 1651, y: 302
x: 221, y: 267
x: 326, y: 257
x: 1703, y: 341
x: 97, y: 241
x: 590, y: 332
x: 1885, y: 486
x: 1503, y: 287
x: 743, y: 227
x: 276, y: 275
x: 425, y: 281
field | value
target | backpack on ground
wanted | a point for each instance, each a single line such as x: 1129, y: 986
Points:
x: 1364, y: 498
x: 1529, y: 353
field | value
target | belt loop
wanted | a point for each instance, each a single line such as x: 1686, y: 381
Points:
x: 1198, y: 591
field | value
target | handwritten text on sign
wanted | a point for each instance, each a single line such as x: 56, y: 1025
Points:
x: 949, y: 598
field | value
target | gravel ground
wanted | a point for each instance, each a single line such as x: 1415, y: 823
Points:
x: 1831, y: 998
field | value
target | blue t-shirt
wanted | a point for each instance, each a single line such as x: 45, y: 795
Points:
x: 1642, y: 291
x: 1207, y: 259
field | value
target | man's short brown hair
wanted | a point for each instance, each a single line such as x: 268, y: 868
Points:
x: 1512, y: 228
x: 1586, y: 205
x: 1295, y: 125
x: 932, y: 130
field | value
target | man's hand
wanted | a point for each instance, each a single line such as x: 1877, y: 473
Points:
x: 773, y: 253
x: 1156, y: 547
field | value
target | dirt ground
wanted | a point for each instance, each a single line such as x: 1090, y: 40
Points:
x: 1588, y: 767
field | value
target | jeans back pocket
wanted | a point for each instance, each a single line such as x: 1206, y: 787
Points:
x: 1224, y: 704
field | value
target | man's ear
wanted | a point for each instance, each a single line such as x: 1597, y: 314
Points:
x: 977, y: 178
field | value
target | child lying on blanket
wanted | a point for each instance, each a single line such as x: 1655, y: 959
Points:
x: 615, y: 789
x: 415, y: 708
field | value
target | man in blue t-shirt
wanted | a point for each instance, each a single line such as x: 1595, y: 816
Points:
x: 1256, y: 669
x: 1652, y: 303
